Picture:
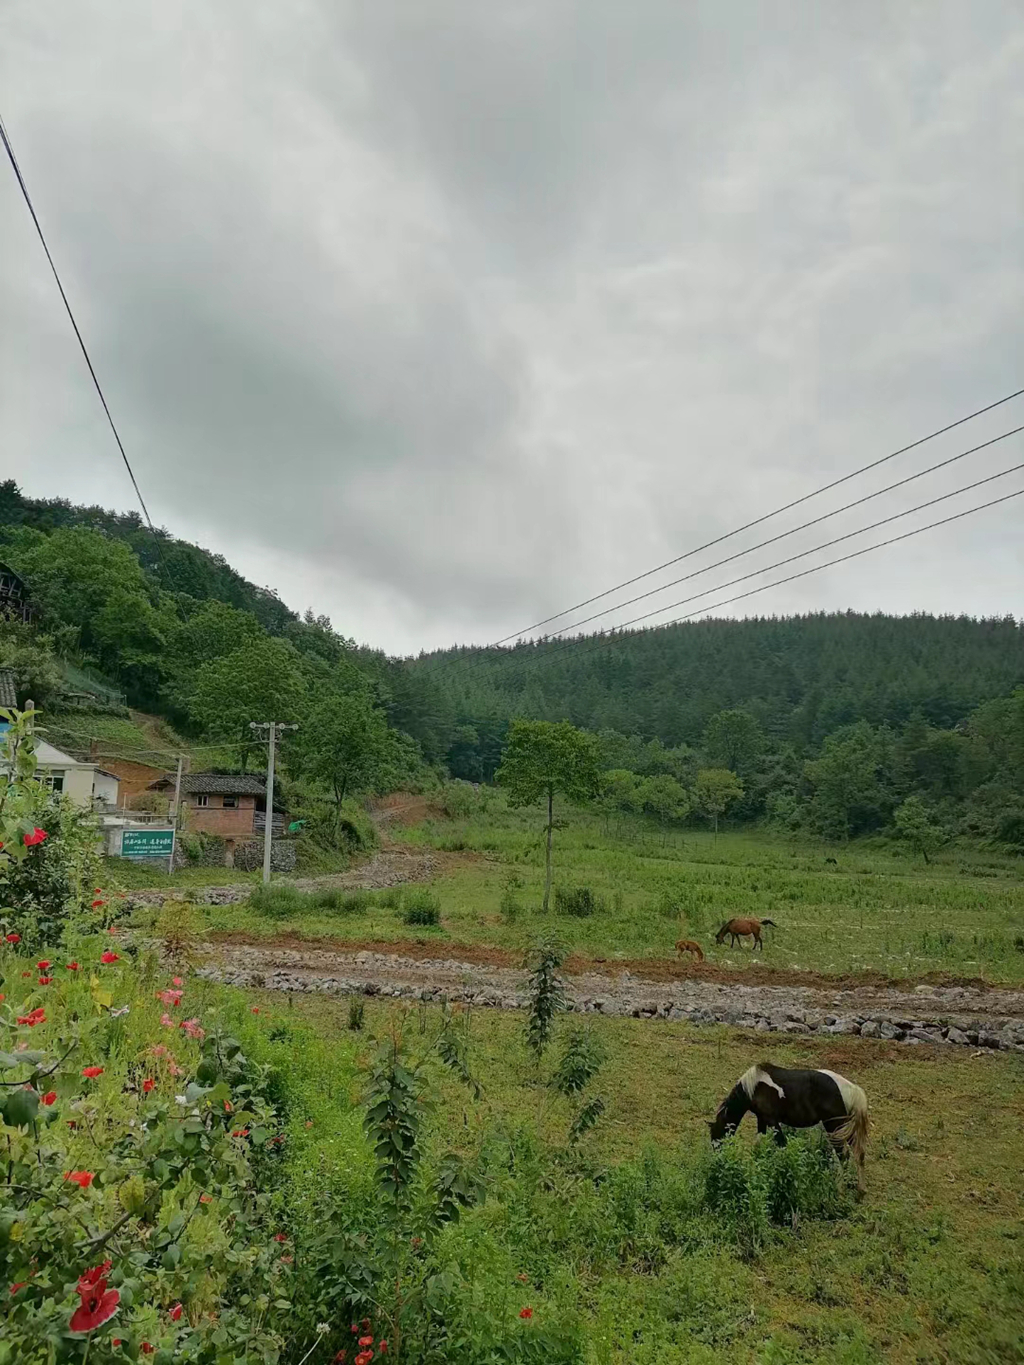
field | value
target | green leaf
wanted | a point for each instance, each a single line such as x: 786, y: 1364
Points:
x: 20, y: 1108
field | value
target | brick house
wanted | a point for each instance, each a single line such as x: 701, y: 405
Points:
x: 218, y: 803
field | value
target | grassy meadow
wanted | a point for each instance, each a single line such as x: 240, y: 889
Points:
x: 877, y: 909
x: 928, y: 1268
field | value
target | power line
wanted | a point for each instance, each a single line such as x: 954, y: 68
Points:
x: 606, y: 639
x: 31, y: 208
x: 835, y: 483
x: 838, y: 540
x: 826, y: 516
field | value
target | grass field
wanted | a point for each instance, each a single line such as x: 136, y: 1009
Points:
x: 928, y: 1268
x: 875, y: 910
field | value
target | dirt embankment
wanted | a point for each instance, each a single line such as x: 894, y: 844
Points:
x: 968, y: 1015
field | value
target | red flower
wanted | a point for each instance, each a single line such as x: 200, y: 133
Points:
x: 176, y: 981
x: 49, y: 1097
x: 71, y: 966
x: 340, y: 1358
x: 46, y: 980
x: 228, y: 1106
x: 12, y: 938
x: 43, y: 965
x: 255, y: 1009
x: 383, y: 1348
x: 240, y: 1132
x: 147, y: 1085
x: 169, y: 997
x: 280, y: 1237
x: 116, y: 1341
x: 99, y: 1304
x: 146, y: 1349
x: 82, y: 1178
x: 364, y: 1358
x: 206, y: 1199
x: 526, y: 1312
x: 36, y: 837
x: 193, y: 1029
x: 175, y: 1312
x: 97, y: 891
x: 91, y: 1072
x: 97, y: 903
x: 110, y: 957
x: 366, y: 1341
x: 20, y: 1285
x: 111, y: 928
x: 36, y: 1016
x: 354, y: 1328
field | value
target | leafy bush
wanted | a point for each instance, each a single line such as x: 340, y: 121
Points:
x: 578, y: 901
x: 510, y: 902
x: 279, y: 900
x: 421, y: 906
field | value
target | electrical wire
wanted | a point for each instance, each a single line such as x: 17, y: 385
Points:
x: 783, y: 535
x: 806, y: 497
x: 610, y: 638
x: 35, y: 219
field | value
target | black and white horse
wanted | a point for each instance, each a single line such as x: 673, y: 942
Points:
x: 798, y: 1099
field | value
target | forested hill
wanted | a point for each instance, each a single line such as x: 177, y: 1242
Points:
x: 174, y: 565
x: 801, y: 677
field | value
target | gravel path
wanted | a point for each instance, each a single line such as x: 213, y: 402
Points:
x: 935, y: 1015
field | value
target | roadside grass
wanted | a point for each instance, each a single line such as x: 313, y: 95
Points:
x: 875, y: 910
x: 927, y: 1268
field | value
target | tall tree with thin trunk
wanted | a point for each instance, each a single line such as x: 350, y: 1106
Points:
x: 544, y: 757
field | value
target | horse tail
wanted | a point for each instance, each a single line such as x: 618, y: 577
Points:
x: 854, y: 1128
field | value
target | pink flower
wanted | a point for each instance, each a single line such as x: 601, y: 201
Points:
x: 176, y: 981
x: 192, y: 1029
x: 169, y: 997
x: 166, y: 1020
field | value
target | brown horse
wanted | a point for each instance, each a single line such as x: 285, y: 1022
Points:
x: 739, y: 928
x: 687, y: 945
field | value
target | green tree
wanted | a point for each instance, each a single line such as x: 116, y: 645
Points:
x: 732, y: 739
x: 542, y: 758
x: 345, y: 743
x: 851, y: 782
x: 259, y: 682
x: 915, y: 823
x: 714, y: 791
x: 663, y: 797
x: 619, y: 790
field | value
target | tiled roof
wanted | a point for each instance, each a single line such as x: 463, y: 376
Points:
x: 234, y: 784
x: 8, y: 689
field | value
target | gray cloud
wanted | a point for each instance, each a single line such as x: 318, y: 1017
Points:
x: 441, y: 318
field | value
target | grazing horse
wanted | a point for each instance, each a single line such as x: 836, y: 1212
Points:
x: 687, y: 945
x: 738, y: 929
x: 799, y: 1099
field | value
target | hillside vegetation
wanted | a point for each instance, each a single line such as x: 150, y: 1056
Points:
x: 841, y: 725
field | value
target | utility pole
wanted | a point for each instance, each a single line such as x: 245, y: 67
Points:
x: 174, y: 813
x: 274, y: 728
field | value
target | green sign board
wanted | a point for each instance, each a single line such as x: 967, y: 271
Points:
x: 147, y: 843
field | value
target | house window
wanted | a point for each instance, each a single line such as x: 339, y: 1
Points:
x: 202, y: 800
x: 230, y: 802
x: 55, y: 781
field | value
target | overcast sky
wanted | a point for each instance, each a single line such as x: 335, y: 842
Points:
x: 440, y: 316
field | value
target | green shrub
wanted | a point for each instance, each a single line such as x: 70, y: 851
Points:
x: 356, y: 1011
x: 421, y: 907
x: 578, y: 901
x: 279, y: 900
x: 510, y: 889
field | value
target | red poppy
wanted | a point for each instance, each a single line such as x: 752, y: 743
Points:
x: 240, y: 1132
x: 43, y: 965
x: 146, y: 1349
x: 280, y: 1237
x: 366, y: 1341
x: 147, y: 1085
x: 26, y: 973
x: 97, y: 903
x: 354, y: 1328
x: 36, y: 1016
x: 49, y: 1098
x: 12, y: 938
x: 110, y: 957
x: 99, y: 1304
x: 340, y: 1358
x: 116, y: 1341
x: 526, y: 1312
x: 36, y: 837
x: 175, y: 1312
x: 169, y: 997
x: 383, y: 1348
x: 20, y: 1285
x: 364, y: 1358
x: 176, y: 981
x: 206, y: 1199
x: 255, y: 1009
x: 111, y: 928
x: 71, y: 966
x: 2, y: 996
x: 82, y: 1178
x: 91, y: 1072
x: 46, y: 981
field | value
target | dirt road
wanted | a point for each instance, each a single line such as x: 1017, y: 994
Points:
x: 923, y: 1014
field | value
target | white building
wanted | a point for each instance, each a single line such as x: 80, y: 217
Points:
x: 89, y: 786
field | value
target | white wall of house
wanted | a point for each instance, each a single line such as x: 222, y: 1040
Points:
x: 79, y: 781
x: 105, y: 787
